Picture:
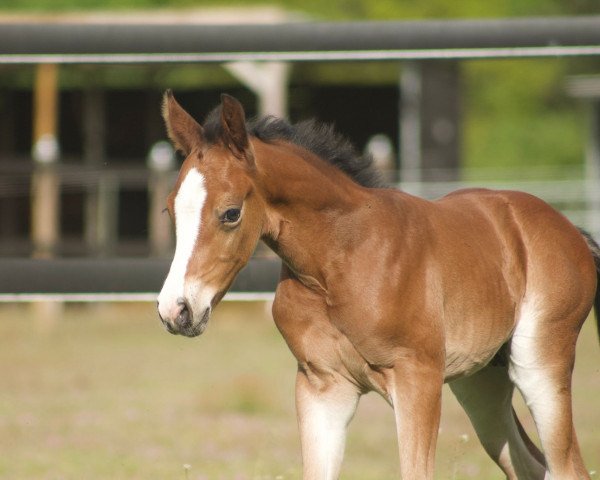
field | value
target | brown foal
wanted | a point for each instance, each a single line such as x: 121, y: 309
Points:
x: 383, y: 291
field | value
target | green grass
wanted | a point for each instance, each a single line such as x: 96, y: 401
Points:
x: 102, y: 391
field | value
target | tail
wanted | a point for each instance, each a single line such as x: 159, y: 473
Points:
x: 595, y: 249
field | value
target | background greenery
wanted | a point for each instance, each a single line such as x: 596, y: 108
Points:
x: 516, y: 112
x: 343, y: 9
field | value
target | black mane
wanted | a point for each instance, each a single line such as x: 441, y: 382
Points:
x: 319, y: 138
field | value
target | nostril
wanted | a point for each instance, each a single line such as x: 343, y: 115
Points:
x: 183, y: 317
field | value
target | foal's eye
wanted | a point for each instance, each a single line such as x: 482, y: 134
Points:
x: 231, y: 216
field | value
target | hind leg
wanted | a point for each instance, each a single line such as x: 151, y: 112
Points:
x: 541, y: 365
x: 486, y: 397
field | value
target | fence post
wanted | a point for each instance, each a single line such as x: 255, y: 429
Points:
x: 94, y: 130
x: 108, y: 213
x: 45, y: 185
x: 269, y: 81
x: 592, y: 167
x: 410, y: 125
x: 440, y: 120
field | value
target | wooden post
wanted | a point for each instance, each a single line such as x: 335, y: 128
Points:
x: 45, y: 101
x: 45, y: 185
x: 45, y: 211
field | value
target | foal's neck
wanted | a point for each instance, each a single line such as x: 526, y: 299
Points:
x: 313, y: 208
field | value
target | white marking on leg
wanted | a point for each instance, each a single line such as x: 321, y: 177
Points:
x: 323, y: 420
x: 188, y: 219
x: 526, y: 369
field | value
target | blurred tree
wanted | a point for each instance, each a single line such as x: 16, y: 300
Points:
x: 344, y: 9
x: 516, y: 111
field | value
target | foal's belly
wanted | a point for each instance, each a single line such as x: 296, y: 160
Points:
x: 468, y: 352
x: 462, y: 364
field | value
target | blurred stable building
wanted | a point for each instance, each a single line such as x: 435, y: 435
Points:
x: 82, y: 167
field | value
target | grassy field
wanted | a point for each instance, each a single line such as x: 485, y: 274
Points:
x: 103, y: 392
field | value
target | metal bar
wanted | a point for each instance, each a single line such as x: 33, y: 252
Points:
x: 311, y: 56
x: 119, y: 297
x: 19, y: 38
x: 78, y: 278
x: 300, y: 41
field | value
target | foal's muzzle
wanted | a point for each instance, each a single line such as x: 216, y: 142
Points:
x: 181, y: 320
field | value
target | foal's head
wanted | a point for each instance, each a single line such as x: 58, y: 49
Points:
x: 218, y: 216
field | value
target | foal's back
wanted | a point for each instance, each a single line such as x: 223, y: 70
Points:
x: 536, y: 244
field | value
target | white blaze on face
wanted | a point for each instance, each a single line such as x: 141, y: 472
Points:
x: 188, y: 219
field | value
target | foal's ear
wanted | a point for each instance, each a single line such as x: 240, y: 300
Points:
x: 234, y: 134
x: 186, y: 134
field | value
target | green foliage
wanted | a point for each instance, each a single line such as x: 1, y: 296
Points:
x: 342, y: 9
x: 516, y: 112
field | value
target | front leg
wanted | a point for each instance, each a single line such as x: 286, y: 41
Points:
x: 325, y: 406
x: 416, y: 394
